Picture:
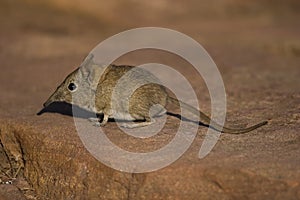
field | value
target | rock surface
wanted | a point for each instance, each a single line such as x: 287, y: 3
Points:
x: 257, y: 49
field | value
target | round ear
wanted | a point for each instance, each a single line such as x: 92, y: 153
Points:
x: 88, y: 59
x: 85, y: 65
x: 94, y: 75
x: 90, y: 71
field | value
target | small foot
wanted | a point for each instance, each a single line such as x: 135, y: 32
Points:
x: 96, y: 121
x: 137, y: 125
x: 93, y: 119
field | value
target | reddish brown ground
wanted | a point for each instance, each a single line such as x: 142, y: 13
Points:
x: 256, y: 47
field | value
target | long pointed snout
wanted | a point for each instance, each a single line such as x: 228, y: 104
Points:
x: 47, y: 103
x: 51, y: 99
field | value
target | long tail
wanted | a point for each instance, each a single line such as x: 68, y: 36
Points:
x: 214, y: 125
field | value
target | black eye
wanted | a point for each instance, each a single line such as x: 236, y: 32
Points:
x: 72, y: 86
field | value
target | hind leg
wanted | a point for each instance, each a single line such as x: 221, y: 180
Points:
x: 148, y: 122
x: 162, y: 111
x: 147, y: 114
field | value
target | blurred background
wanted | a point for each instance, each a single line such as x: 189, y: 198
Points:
x: 51, y: 37
x: 54, y: 28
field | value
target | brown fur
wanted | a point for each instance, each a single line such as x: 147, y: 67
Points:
x: 102, y: 89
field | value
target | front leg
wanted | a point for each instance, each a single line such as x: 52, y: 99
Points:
x: 104, y: 121
x: 96, y: 121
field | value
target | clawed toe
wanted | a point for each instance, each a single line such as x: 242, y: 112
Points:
x: 93, y: 119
